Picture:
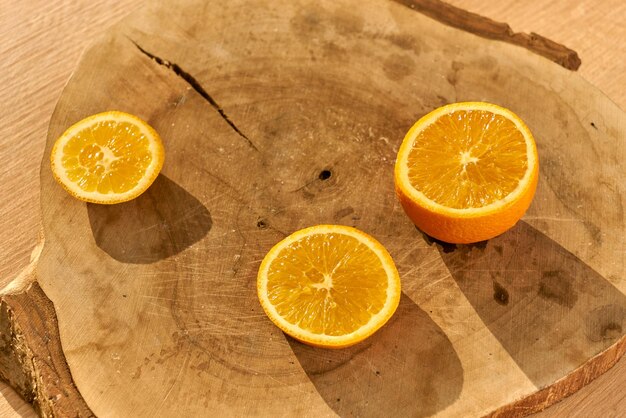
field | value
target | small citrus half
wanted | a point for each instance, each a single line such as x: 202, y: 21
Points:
x: 467, y: 172
x: 329, y: 285
x: 110, y: 157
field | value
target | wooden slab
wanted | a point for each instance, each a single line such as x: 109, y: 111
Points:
x: 279, y: 115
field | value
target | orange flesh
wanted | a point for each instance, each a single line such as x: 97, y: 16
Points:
x: 489, y: 159
x: 327, y: 284
x: 109, y: 157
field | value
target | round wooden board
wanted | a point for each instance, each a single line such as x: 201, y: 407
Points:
x: 156, y: 298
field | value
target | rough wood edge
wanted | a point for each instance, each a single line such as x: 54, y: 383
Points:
x: 490, y: 29
x: 31, y: 356
x: 565, y: 386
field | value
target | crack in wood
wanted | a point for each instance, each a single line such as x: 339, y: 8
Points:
x: 197, y: 87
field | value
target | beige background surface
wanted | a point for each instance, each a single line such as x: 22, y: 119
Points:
x: 43, y: 40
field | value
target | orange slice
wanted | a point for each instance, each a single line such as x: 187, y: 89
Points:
x: 110, y: 157
x: 467, y: 172
x: 329, y: 285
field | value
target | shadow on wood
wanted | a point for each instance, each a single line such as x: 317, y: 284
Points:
x: 409, y: 367
x: 547, y: 308
x: 160, y: 223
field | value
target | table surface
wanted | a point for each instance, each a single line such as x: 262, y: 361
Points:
x: 42, y: 42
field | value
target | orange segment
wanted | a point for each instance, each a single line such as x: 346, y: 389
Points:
x: 467, y: 172
x: 329, y: 285
x: 107, y: 158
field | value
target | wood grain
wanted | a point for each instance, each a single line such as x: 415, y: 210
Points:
x: 604, y: 54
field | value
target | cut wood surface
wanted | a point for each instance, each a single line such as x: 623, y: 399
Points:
x: 166, y: 282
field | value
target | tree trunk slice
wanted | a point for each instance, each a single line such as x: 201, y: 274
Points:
x: 277, y: 115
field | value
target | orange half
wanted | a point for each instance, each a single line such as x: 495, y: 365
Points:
x: 467, y: 172
x: 329, y: 285
x: 110, y: 157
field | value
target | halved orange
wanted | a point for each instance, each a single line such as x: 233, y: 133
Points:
x: 467, y: 172
x: 110, y: 157
x: 329, y: 285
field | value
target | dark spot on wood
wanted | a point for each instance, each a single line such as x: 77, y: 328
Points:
x: 397, y: 67
x: 308, y: 24
x: 500, y: 294
x: 612, y: 330
x: 338, y: 399
x: 275, y: 125
x: 325, y: 174
x: 453, y: 74
x: 442, y: 101
x: 593, y: 125
x: 594, y: 231
x: 377, y: 373
x: 137, y: 373
x: 333, y: 50
x: 347, y: 23
x: 560, y: 116
x: 405, y: 41
x: 123, y: 296
x: 498, y: 249
x: 487, y: 63
x: 341, y: 213
x: 262, y: 224
x: 605, y: 323
x: 556, y: 286
x: 204, y: 366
